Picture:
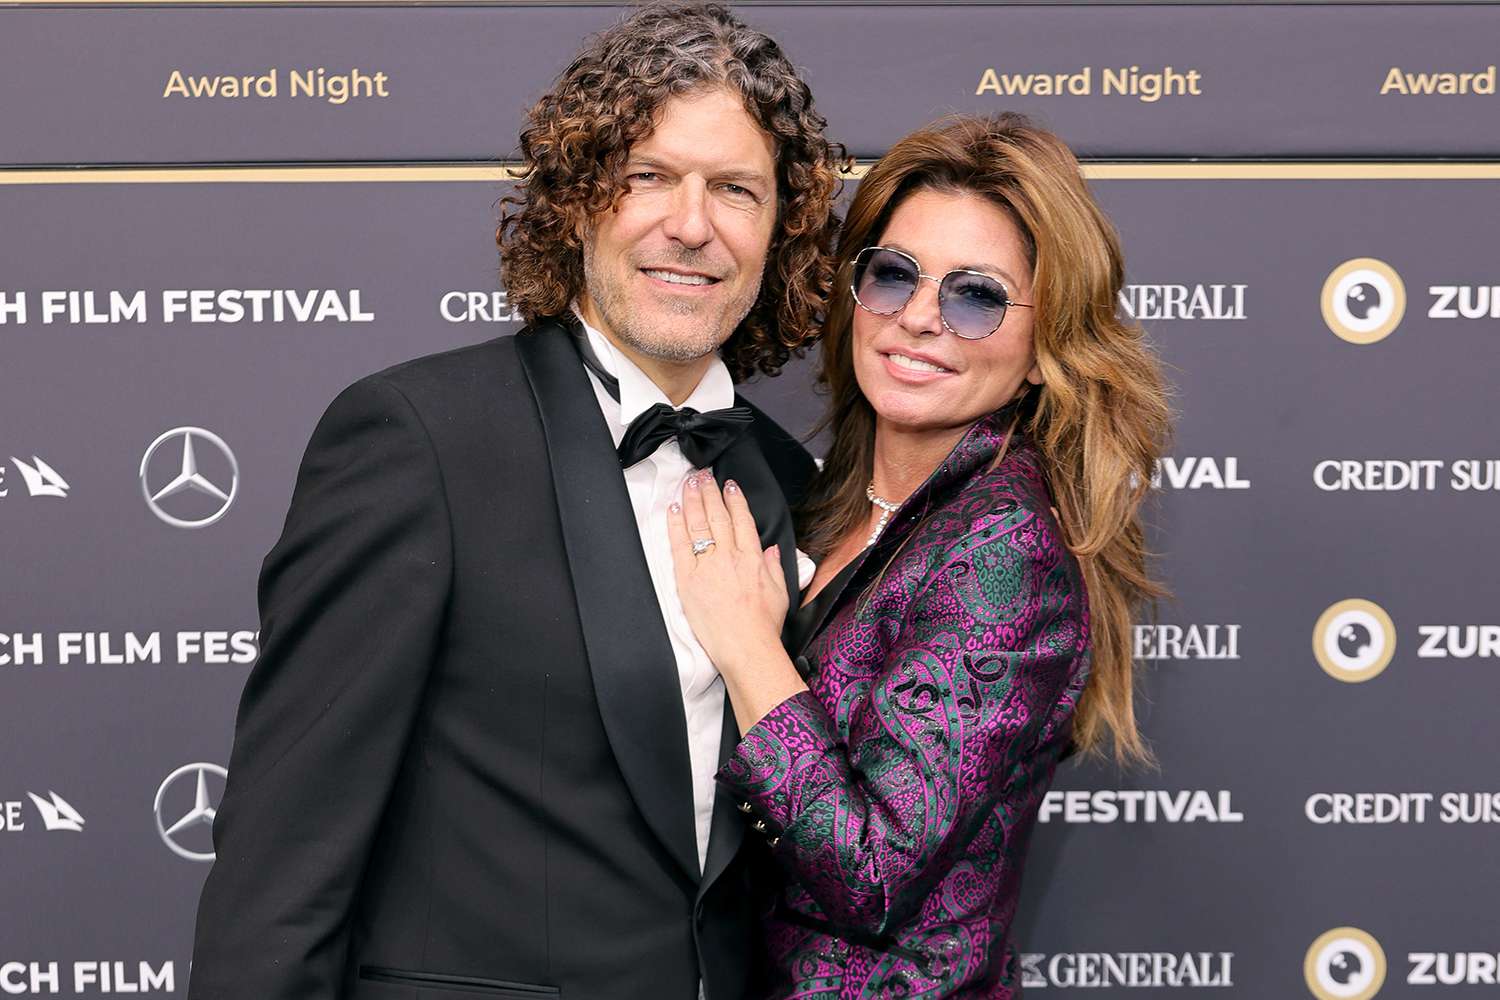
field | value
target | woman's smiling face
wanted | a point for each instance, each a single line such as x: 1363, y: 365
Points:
x: 916, y: 374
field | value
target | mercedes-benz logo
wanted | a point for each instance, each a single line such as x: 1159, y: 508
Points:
x: 197, y: 500
x: 195, y: 825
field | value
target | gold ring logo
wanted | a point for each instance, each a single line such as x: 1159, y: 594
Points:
x: 1345, y: 964
x: 1363, y: 300
x: 1354, y: 640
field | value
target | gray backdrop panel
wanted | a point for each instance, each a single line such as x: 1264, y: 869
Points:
x: 1276, y: 392
x: 1300, y: 81
x: 1263, y: 400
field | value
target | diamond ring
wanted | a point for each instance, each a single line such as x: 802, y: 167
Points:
x: 702, y: 545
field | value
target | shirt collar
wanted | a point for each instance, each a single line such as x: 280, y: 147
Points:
x: 638, y: 393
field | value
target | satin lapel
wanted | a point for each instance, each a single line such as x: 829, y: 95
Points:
x: 871, y: 561
x: 630, y: 656
x: 745, y: 464
x: 727, y: 829
x: 976, y: 450
x: 830, y: 605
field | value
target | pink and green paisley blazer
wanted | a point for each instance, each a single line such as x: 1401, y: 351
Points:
x: 899, y: 793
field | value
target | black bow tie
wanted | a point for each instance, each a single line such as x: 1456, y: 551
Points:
x: 745, y: 464
x: 703, y: 437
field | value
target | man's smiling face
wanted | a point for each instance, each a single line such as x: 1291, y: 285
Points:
x: 673, y: 269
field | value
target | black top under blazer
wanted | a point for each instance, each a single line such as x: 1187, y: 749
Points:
x: 460, y: 765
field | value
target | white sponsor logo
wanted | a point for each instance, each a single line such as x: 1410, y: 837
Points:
x: 86, y: 307
x: 478, y: 307
x: 1144, y: 302
x: 1439, y: 642
x: 1349, y: 964
x: 41, y: 479
x: 1464, y: 302
x: 55, y: 811
x: 186, y: 827
x: 1453, y: 968
x: 259, y: 305
x: 195, y: 500
x: 57, y: 814
x: 1346, y: 963
x: 1380, y: 808
x: 188, y: 647
x: 1187, y: 642
x: 1138, y: 969
x: 1363, y: 300
x: 13, y: 308
x: 87, y: 978
x: 1387, y: 475
x: 1139, y: 806
x: 1354, y: 640
x: 1196, y: 473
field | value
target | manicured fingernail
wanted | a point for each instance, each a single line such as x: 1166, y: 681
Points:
x: 675, y: 507
x: 730, y: 486
x: 692, y: 482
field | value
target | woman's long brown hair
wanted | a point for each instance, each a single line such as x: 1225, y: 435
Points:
x: 1101, y: 419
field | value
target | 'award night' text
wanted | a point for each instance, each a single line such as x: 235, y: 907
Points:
x: 1147, y: 86
x: 319, y: 84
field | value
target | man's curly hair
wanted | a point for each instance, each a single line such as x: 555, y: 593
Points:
x: 578, y: 137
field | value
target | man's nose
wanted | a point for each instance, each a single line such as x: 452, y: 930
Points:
x: 689, y: 220
x: 922, y: 316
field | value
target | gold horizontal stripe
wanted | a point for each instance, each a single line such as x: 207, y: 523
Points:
x: 332, y: 174
x: 271, y: 3
x: 1292, y: 171
x: 494, y: 173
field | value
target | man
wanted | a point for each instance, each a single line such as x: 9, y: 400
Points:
x: 475, y: 757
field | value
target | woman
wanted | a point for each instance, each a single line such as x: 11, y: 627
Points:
x: 980, y: 554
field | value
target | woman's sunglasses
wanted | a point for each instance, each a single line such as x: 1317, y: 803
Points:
x: 971, y: 304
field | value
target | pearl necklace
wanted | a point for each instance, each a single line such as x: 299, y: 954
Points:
x: 887, y: 508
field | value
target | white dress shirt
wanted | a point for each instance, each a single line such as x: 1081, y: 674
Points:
x: 653, y: 484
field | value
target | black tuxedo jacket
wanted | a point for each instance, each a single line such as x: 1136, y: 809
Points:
x: 460, y: 766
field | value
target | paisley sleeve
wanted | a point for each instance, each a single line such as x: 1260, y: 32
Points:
x: 988, y: 663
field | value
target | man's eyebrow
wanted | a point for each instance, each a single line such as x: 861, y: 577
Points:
x: 656, y: 163
x: 743, y: 175
x: 632, y: 162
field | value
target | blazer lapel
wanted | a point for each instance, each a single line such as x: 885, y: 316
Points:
x: 744, y: 463
x: 829, y: 600
x: 630, y: 655
x: 727, y: 829
x: 976, y: 449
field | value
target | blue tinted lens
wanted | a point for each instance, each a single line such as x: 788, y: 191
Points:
x: 972, y: 305
x: 883, y: 280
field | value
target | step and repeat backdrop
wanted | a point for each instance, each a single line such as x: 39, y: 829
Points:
x: 213, y: 218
